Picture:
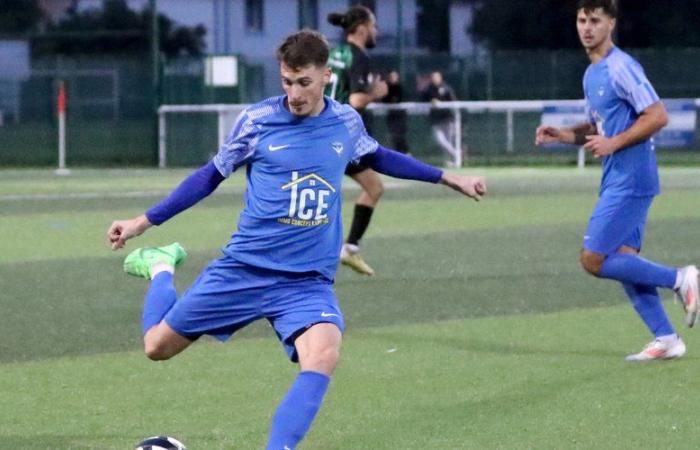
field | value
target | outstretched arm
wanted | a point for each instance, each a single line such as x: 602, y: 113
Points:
x: 194, y: 188
x: 398, y: 165
x: 546, y: 134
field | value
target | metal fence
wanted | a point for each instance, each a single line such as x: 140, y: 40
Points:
x: 111, y: 107
x: 112, y: 100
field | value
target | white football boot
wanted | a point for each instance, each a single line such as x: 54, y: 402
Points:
x: 659, y: 350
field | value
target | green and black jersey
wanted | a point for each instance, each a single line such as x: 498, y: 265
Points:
x: 351, y: 72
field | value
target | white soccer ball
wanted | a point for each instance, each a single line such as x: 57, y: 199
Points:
x: 161, y: 443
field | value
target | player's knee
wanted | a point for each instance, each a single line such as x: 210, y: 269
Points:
x: 592, y: 262
x: 376, y: 190
x: 322, y: 360
x: 156, y: 349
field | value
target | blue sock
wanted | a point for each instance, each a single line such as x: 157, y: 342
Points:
x: 647, y: 303
x: 633, y: 269
x: 160, y: 298
x: 297, y: 410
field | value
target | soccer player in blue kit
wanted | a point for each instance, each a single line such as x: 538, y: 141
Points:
x: 624, y: 113
x: 281, y: 262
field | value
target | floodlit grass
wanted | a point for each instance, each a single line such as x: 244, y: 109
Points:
x: 479, y: 331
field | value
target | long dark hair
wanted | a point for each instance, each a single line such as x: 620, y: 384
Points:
x: 354, y: 17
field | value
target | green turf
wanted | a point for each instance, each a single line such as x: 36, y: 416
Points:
x: 479, y: 331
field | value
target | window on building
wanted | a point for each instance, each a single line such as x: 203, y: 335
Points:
x: 308, y: 14
x: 254, y: 15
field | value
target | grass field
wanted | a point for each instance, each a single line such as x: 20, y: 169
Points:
x: 479, y: 331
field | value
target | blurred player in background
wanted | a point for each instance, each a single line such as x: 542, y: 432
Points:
x: 442, y: 120
x: 281, y: 262
x: 396, y: 118
x: 624, y: 112
x: 353, y: 83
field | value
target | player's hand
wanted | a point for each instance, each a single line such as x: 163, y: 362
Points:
x: 122, y: 230
x: 599, y: 145
x: 379, y: 88
x: 472, y: 187
x: 546, y: 134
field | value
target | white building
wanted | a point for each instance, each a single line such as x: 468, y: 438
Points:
x: 254, y: 28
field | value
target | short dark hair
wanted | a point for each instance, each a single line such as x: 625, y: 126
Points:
x: 588, y: 6
x: 353, y: 18
x: 303, y: 48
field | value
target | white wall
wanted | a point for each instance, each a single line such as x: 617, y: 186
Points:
x: 226, y: 31
x: 460, y: 19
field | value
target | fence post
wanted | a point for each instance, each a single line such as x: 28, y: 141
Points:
x: 161, y: 139
x: 459, y: 159
x: 509, y: 131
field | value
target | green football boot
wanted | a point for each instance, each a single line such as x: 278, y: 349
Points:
x: 139, y: 262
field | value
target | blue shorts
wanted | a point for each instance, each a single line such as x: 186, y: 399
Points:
x: 617, y: 221
x: 229, y: 295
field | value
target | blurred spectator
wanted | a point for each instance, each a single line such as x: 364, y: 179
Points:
x: 442, y: 120
x: 396, y: 118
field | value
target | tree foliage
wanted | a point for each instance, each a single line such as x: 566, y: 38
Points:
x: 433, y: 33
x: 19, y: 16
x: 550, y: 24
x: 117, y: 29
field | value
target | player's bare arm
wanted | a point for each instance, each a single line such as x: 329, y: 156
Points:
x: 122, y: 230
x: 652, y: 119
x: 360, y: 100
x: 471, y: 186
x: 546, y: 134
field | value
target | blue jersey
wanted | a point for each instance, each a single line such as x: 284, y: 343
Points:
x: 291, y: 220
x: 617, y: 91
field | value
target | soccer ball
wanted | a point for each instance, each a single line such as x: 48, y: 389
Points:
x: 161, y: 443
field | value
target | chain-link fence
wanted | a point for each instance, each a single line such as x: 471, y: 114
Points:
x: 111, y: 118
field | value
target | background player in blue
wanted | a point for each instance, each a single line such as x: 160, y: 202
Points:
x: 352, y: 82
x: 281, y: 262
x: 625, y: 112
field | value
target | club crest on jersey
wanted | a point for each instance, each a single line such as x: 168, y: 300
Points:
x: 308, y: 200
x: 601, y: 91
x: 338, y: 147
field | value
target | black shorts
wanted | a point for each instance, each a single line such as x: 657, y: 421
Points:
x: 353, y: 169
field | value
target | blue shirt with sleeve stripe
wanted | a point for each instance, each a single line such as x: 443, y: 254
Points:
x: 291, y: 220
x: 616, y: 92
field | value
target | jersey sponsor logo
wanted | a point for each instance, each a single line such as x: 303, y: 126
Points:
x: 325, y: 314
x: 274, y: 148
x: 308, y: 200
x: 338, y: 147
